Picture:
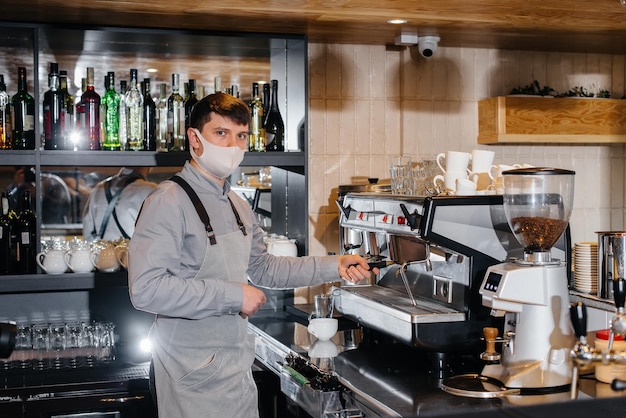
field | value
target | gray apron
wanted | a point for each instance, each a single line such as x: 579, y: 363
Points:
x: 203, y: 368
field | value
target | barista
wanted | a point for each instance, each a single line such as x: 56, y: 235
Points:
x: 114, y: 204
x: 196, y: 245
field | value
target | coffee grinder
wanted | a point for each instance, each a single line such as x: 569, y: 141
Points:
x: 531, y: 293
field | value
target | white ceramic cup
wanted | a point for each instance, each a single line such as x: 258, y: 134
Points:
x: 80, y: 261
x: 323, y: 349
x: 449, y: 179
x: 465, y: 187
x: 323, y: 328
x: 52, y: 262
x: 454, y: 161
x: 495, y: 171
x: 121, y: 251
x: 482, y: 180
x: 482, y: 160
x: 107, y: 261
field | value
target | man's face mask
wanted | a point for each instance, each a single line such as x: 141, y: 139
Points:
x: 219, y: 161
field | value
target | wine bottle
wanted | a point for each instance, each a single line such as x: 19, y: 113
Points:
x: 68, y: 109
x: 53, y: 114
x: 176, y: 116
x: 111, y: 115
x: 274, y: 126
x: 149, y: 118
x: 7, y: 234
x: 234, y: 90
x: 266, y: 100
x: 5, y: 116
x: 256, y: 141
x: 26, y: 236
x: 88, y: 115
x: 23, y: 106
x: 161, y: 122
x: 191, y: 100
x: 134, y: 104
x: 122, y: 133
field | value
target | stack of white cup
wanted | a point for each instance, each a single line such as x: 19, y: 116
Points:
x: 454, y: 168
x: 482, y: 161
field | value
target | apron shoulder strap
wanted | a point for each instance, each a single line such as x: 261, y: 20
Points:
x: 112, y: 200
x: 204, y: 216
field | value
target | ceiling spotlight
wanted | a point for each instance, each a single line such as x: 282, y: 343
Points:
x: 397, y: 21
x: 427, y: 45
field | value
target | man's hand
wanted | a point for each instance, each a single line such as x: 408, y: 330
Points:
x: 253, y: 299
x: 354, y: 268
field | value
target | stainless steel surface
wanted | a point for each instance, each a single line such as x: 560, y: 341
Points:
x: 406, y: 249
x: 611, y: 260
x: 388, y: 380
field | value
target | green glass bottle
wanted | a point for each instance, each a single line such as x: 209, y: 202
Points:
x: 23, y: 106
x: 111, y: 114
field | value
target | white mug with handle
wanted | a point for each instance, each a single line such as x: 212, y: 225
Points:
x: 454, y: 161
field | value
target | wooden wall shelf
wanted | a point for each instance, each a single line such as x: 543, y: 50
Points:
x: 537, y: 120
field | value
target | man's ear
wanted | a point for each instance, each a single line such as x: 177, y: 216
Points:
x: 193, y: 137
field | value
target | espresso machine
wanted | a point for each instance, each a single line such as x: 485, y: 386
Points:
x: 433, y: 253
x: 530, y: 293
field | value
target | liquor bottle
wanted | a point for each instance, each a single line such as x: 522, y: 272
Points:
x: 149, y: 118
x: 53, y: 112
x: 266, y: 100
x: 134, y: 108
x: 68, y: 109
x: 23, y: 106
x: 5, y: 116
x: 111, y: 115
x: 26, y: 231
x: 122, y: 133
x: 234, y: 90
x: 176, y: 117
x: 200, y: 92
x: 218, y: 84
x: 256, y: 142
x: 191, y: 100
x: 274, y: 126
x: 161, y: 122
x: 88, y: 115
x: 7, y: 236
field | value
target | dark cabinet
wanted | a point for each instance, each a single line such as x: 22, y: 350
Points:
x: 237, y: 59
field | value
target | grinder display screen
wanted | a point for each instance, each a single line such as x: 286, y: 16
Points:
x: 493, y: 281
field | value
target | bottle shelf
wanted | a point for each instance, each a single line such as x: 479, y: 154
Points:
x: 20, y: 283
x: 292, y: 161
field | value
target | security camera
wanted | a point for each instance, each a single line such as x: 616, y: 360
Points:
x: 427, y: 45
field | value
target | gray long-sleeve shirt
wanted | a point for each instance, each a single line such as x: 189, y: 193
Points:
x: 126, y: 208
x: 169, y: 243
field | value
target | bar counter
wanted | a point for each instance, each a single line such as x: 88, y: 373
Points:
x: 384, y: 379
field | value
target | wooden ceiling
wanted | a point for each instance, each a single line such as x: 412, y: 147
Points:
x: 545, y: 25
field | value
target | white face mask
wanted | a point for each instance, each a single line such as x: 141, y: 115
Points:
x: 219, y: 161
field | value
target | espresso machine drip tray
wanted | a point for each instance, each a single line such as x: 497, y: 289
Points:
x: 391, y: 311
x: 398, y: 305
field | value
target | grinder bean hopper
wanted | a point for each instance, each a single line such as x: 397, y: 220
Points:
x: 531, y: 292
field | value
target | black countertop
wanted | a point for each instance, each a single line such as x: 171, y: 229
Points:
x: 394, y: 379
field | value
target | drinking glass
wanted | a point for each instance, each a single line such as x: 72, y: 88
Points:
x: 400, y: 174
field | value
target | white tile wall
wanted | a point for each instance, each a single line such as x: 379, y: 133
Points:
x: 368, y: 103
